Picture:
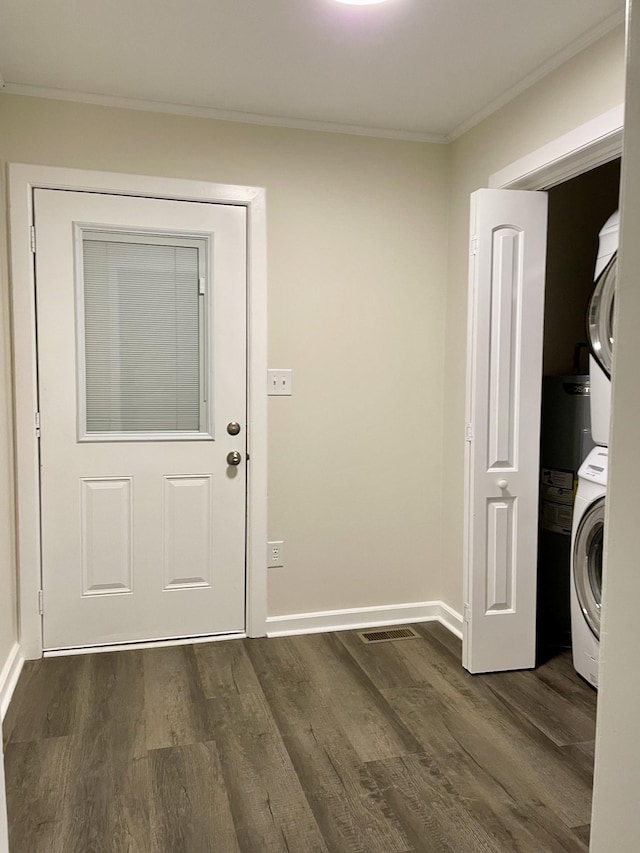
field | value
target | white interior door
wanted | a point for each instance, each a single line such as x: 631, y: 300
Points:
x: 506, y: 312
x: 141, y: 312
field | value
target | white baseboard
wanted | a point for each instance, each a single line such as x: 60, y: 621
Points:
x: 365, y: 617
x: 9, y: 678
x: 451, y: 619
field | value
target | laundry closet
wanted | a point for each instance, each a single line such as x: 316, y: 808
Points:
x: 578, y: 210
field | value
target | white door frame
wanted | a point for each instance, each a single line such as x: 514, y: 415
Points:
x: 585, y: 147
x: 23, y: 179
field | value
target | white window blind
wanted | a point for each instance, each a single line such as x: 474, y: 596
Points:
x: 142, y: 330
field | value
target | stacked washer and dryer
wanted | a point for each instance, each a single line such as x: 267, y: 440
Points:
x: 588, y: 515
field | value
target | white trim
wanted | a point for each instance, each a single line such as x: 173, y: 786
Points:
x: 150, y: 644
x: 256, y: 615
x: 591, y: 144
x: 9, y: 678
x: 142, y: 105
x: 23, y: 178
x: 589, y: 38
x: 451, y: 619
x: 365, y: 617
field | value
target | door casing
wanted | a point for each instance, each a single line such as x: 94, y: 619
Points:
x: 23, y: 179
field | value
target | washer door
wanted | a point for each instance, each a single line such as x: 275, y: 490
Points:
x: 600, y: 315
x: 587, y: 564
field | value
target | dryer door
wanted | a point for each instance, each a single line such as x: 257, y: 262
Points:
x: 600, y: 316
x: 587, y: 564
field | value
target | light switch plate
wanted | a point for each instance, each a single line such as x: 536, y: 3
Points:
x: 279, y: 383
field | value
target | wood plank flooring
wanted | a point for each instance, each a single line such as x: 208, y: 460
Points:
x: 313, y: 744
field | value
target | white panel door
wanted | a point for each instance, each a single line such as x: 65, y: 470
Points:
x: 141, y: 313
x: 506, y: 310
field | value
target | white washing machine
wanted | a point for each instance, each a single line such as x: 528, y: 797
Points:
x: 600, y: 329
x: 586, y: 563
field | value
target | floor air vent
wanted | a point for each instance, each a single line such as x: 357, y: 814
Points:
x: 388, y: 635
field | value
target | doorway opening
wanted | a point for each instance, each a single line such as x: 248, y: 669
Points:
x: 578, y: 210
x: 504, y: 378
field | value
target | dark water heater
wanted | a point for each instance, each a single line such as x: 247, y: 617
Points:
x: 565, y: 440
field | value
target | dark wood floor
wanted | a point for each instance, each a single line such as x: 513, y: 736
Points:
x: 298, y: 745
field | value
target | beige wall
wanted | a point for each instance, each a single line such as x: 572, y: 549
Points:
x: 357, y: 232
x: 587, y: 86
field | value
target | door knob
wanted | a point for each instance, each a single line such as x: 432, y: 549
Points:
x: 234, y: 458
x: 502, y: 484
x: 233, y: 428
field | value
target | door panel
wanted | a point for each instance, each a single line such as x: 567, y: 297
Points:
x: 106, y: 536
x: 187, y: 531
x: 500, y: 547
x: 508, y: 238
x: 143, y: 532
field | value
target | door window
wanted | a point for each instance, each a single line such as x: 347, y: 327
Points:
x: 587, y: 561
x: 142, y: 322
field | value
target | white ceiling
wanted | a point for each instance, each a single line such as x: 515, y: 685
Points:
x: 414, y: 68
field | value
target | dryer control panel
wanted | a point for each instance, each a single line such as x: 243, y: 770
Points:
x: 595, y: 466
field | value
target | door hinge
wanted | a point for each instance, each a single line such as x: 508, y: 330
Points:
x: 37, y: 424
x: 466, y: 613
x: 41, y: 601
x: 468, y: 432
x: 32, y: 237
x: 473, y: 245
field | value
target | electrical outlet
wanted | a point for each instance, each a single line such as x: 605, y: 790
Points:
x: 275, y: 554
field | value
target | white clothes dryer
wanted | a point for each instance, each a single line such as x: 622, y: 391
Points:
x: 600, y: 329
x: 586, y: 563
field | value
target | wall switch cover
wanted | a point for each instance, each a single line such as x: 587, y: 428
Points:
x: 279, y: 383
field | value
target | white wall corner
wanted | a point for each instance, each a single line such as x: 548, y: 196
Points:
x: 360, y: 618
x: 9, y: 677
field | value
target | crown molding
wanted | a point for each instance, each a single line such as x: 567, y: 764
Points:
x: 193, y: 111
x: 542, y: 71
x: 218, y: 115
